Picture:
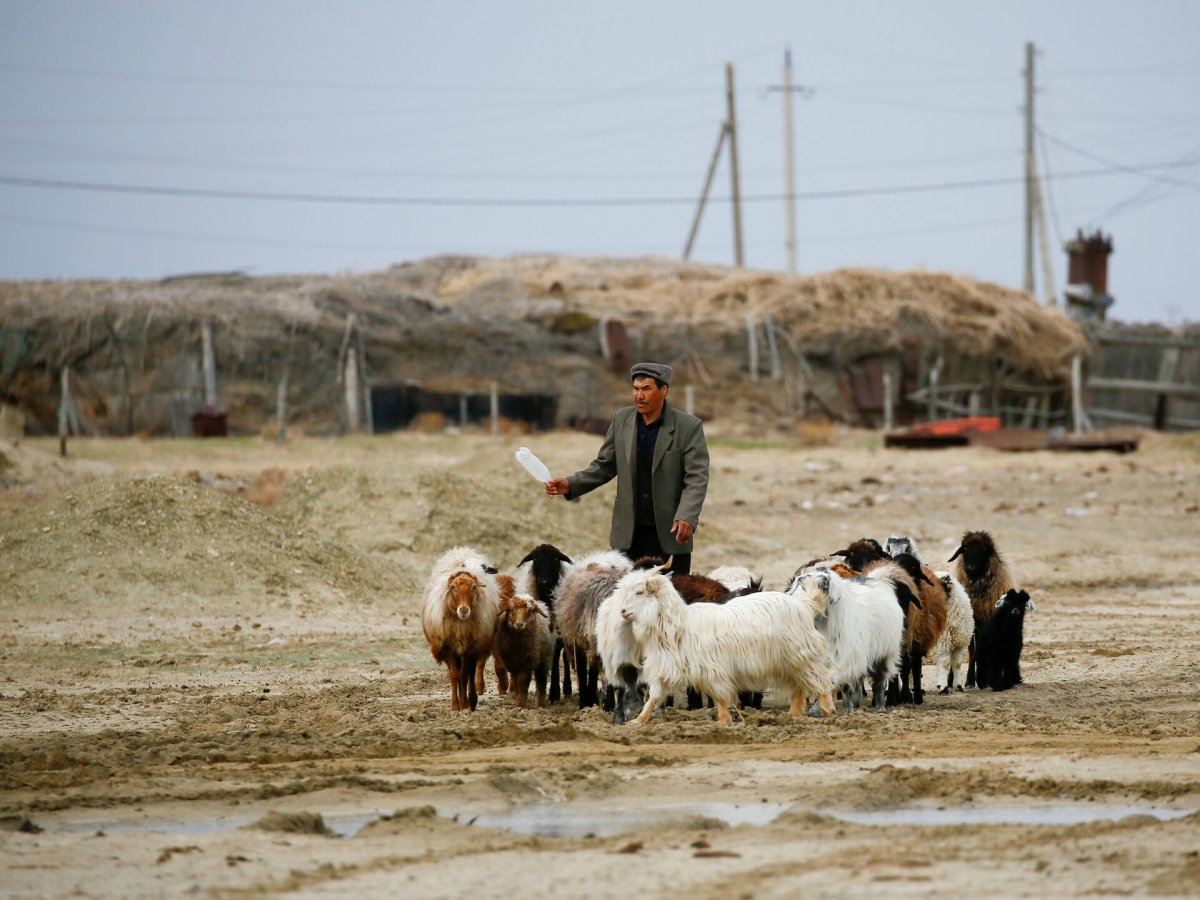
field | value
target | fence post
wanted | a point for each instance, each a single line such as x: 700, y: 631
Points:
x: 931, y: 405
x: 495, y: 402
x: 1077, y: 394
x: 887, y: 401
x: 752, y: 338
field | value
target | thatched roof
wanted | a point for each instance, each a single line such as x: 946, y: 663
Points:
x: 856, y: 311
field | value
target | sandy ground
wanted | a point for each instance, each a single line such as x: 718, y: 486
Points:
x: 213, y: 681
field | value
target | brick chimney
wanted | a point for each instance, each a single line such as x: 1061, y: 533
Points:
x: 1087, y: 274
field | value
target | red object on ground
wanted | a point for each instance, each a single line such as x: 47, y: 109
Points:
x: 967, y: 425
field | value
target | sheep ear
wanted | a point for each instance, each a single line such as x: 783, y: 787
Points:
x: 956, y: 554
x: 527, y: 558
x: 562, y: 557
x: 541, y: 612
x: 1029, y: 607
x: 823, y: 582
x: 491, y: 570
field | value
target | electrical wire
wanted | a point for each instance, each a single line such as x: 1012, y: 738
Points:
x: 353, y: 199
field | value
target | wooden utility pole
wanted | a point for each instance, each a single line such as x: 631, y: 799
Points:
x: 789, y: 154
x: 789, y: 160
x: 731, y: 122
x: 712, y: 168
x: 1030, y: 173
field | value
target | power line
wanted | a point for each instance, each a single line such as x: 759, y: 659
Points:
x: 380, y: 200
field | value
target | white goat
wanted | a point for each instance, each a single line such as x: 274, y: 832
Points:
x: 950, y: 651
x: 863, y: 626
x: 745, y: 645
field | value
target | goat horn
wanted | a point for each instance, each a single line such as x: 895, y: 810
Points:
x: 666, y: 567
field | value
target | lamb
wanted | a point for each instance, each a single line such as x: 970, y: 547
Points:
x: 576, y: 600
x: 759, y: 639
x: 524, y: 644
x: 1002, y: 638
x: 863, y: 626
x: 985, y: 575
x: 458, y: 615
x: 539, y: 573
x: 950, y: 652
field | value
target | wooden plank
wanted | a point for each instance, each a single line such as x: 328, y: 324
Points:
x: 1143, y: 387
x: 1146, y: 340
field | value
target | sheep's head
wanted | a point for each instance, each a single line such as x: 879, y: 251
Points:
x: 521, y: 611
x: 462, y: 588
x: 547, y: 562
x: 899, y: 543
x: 977, y: 550
x: 1016, y: 602
x: 862, y: 552
x: 639, y: 594
x: 819, y: 587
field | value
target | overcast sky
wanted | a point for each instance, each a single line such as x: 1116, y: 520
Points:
x: 143, y: 139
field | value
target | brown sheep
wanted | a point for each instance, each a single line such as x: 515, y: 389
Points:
x: 458, y: 616
x: 980, y: 569
x: 524, y: 644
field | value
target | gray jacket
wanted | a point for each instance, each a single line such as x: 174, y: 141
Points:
x: 680, y: 478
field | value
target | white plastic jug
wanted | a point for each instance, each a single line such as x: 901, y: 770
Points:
x: 533, y: 465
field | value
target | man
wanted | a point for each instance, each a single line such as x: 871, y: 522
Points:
x: 660, y: 460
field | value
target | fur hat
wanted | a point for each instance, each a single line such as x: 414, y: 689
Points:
x: 653, y: 370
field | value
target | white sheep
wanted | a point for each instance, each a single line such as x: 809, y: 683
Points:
x: 863, y: 626
x: 950, y: 651
x: 720, y: 649
x: 458, y: 615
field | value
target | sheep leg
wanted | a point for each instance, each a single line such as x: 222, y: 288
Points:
x: 454, y: 666
x: 581, y: 670
x: 796, y: 710
x: 878, y: 690
x: 566, y: 674
x: 915, y: 666
x: 971, y: 663
x: 825, y: 701
x: 905, y: 670
x: 470, y: 666
x: 723, y: 717
x: 521, y: 687
x: 501, y: 676
x: 657, y: 694
x: 539, y: 677
x: 695, y: 700
x: 610, y: 698
x: 478, y: 669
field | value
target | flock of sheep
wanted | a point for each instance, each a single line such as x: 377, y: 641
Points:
x: 866, y: 614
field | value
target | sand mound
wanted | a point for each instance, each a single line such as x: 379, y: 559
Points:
x: 159, y: 542
x: 411, y: 515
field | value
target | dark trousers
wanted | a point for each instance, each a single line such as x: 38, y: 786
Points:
x: 645, y: 543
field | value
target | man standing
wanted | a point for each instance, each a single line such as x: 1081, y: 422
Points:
x: 660, y: 460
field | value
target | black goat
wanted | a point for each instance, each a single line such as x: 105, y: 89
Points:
x: 1002, y: 638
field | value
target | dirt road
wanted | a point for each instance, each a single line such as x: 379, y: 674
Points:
x: 213, y: 680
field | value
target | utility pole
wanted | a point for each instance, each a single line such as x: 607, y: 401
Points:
x: 728, y: 132
x: 712, y: 168
x: 789, y: 153
x: 731, y: 122
x: 1030, y: 171
x: 789, y: 160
